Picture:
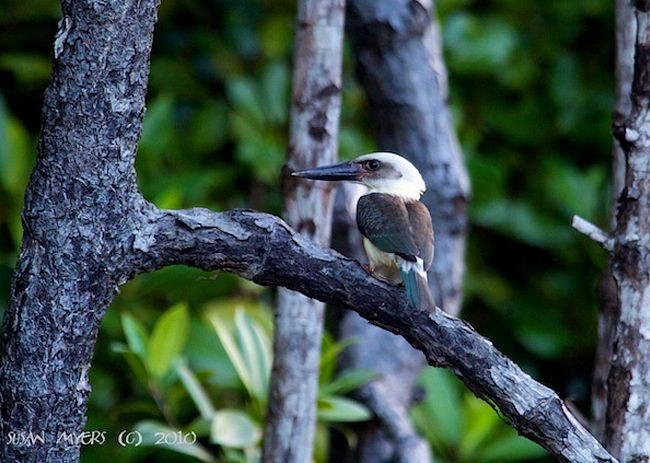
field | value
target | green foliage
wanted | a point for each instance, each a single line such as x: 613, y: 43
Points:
x: 249, y: 350
x: 230, y: 416
x: 532, y: 100
x: 235, y: 429
x: 462, y: 428
x: 167, y: 340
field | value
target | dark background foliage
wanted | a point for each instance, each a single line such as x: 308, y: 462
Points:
x: 532, y: 95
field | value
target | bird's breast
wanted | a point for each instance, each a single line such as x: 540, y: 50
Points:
x: 383, y: 263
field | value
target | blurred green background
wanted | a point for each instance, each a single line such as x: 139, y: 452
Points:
x: 532, y: 95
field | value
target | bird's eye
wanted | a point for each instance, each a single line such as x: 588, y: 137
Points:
x: 373, y: 164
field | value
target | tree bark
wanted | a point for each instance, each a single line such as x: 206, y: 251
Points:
x: 399, y: 59
x: 79, y: 207
x: 607, y: 294
x: 628, y: 384
x: 313, y: 139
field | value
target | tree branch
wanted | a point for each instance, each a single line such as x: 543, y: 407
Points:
x: 592, y: 231
x: 262, y: 248
x: 609, y: 303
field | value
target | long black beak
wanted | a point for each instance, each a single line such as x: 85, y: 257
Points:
x: 343, y: 171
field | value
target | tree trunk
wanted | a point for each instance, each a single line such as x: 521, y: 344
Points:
x: 399, y: 59
x: 77, y: 220
x: 609, y: 306
x: 313, y: 139
x: 628, y: 384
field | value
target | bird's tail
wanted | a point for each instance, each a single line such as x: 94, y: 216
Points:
x: 417, y: 288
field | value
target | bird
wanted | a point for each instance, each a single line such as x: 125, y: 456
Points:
x: 396, y: 226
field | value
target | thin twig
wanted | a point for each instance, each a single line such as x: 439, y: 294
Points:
x: 592, y: 231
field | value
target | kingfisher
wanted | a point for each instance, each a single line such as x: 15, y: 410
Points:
x: 395, y: 224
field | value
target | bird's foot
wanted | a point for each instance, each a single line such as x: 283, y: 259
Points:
x: 368, y: 268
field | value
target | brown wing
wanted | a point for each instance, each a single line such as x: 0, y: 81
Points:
x: 422, y: 230
x: 395, y: 226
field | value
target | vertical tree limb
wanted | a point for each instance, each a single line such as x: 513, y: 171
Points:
x: 399, y: 58
x: 313, y: 139
x: 398, y: 51
x: 78, y: 208
x: 607, y: 294
x: 628, y: 386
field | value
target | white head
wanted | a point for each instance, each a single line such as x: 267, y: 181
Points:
x: 392, y: 174
x: 381, y: 172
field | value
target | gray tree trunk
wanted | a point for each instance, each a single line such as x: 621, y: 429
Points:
x: 609, y: 305
x: 399, y: 61
x: 313, y: 139
x: 80, y: 208
x: 628, y: 385
x: 399, y: 52
x: 88, y: 230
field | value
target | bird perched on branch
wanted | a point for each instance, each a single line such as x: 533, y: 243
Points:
x: 396, y: 226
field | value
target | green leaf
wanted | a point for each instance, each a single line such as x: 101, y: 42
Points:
x: 572, y: 190
x: 156, y: 434
x: 195, y: 390
x: 15, y: 155
x: 275, y: 86
x: 207, y: 356
x: 522, y: 221
x: 480, y: 423
x: 201, y: 426
x: 167, y: 339
x: 438, y: 416
x: 30, y: 68
x: 234, y: 428
x: 249, y: 350
x: 341, y: 409
x: 208, y: 128
x: 276, y: 35
x: 510, y: 447
x: 135, y: 362
x: 330, y: 351
x: 348, y: 381
x: 480, y: 46
x: 321, y: 444
x: 242, y: 93
x: 256, y: 349
x: 158, y: 126
x: 136, y: 335
x: 544, y: 340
